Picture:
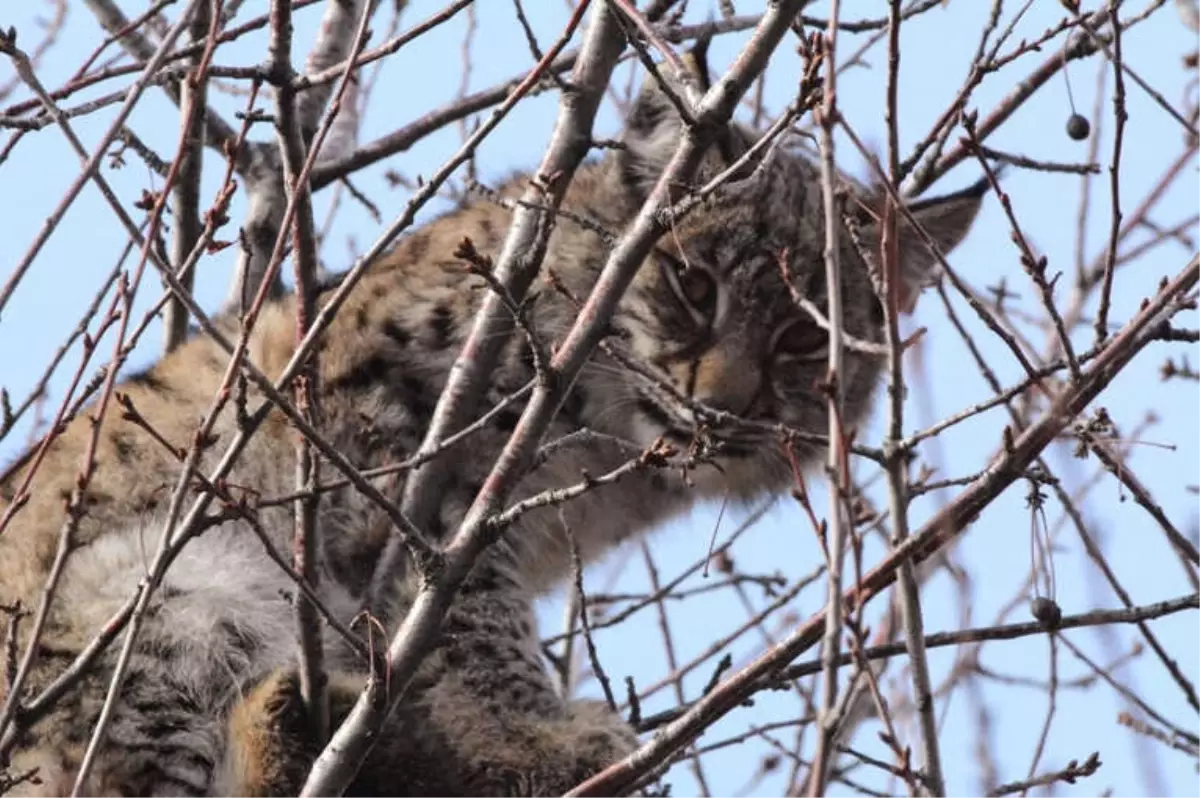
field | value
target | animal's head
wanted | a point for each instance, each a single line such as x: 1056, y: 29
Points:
x: 714, y: 306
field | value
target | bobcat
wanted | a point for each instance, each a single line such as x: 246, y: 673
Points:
x: 210, y: 702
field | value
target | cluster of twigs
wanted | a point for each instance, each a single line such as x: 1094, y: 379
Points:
x: 1112, y: 312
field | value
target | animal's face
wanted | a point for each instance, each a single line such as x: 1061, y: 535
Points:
x: 715, y: 306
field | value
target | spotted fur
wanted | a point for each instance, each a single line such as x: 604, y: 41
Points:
x: 210, y: 704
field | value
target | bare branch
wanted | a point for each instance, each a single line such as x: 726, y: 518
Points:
x: 943, y: 527
x: 336, y: 765
x: 185, y: 205
x: 518, y: 263
x: 836, y: 467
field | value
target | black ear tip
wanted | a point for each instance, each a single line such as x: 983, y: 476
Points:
x: 975, y: 191
x: 699, y: 52
x: 981, y: 186
x: 697, y: 59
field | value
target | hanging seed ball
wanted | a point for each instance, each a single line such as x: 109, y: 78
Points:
x: 1078, y: 127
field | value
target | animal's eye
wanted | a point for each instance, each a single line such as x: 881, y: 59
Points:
x: 698, y: 288
x: 802, y: 338
x: 694, y: 286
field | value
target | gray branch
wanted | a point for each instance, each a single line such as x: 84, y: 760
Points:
x: 517, y: 266
x: 217, y: 132
x: 335, y: 768
x: 185, y: 200
x: 264, y: 168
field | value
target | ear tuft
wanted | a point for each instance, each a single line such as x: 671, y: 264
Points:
x: 696, y: 59
x: 946, y: 220
x: 652, y: 132
x: 653, y: 126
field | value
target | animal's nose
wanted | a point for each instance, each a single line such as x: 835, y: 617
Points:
x: 727, y: 378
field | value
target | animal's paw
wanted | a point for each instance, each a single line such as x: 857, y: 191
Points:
x: 269, y: 746
x: 599, y: 734
x: 566, y: 751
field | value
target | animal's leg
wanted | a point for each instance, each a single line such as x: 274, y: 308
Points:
x: 482, y: 718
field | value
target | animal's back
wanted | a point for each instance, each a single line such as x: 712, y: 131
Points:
x: 96, y: 499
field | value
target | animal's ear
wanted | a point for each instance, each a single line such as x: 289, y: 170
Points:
x: 946, y: 220
x: 654, y: 126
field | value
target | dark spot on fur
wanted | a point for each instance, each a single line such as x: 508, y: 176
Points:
x: 454, y: 656
x: 456, y: 624
x: 485, y: 649
x: 150, y: 381
x: 172, y: 750
x: 349, y: 564
x: 237, y: 636
x: 144, y: 507
x: 155, y: 777
x: 594, y: 741
x: 441, y: 324
x: 487, y: 229
x: 475, y: 680
x: 170, y: 649
x: 361, y: 319
x: 486, y: 581
x: 523, y: 678
x: 418, y: 245
x: 506, y: 420
x: 151, y: 695
x: 123, y: 446
x: 397, y: 333
x: 634, y: 311
x: 417, y: 400
x: 653, y: 412
x: 363, y: 375
x: 573, y: 407
x: 379, y: 290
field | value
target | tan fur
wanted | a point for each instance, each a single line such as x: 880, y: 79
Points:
x: 210, y: 702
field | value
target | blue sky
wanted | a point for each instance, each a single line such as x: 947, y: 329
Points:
x: 995, y: 551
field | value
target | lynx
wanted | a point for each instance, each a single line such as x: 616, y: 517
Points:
x: 210, y: 702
